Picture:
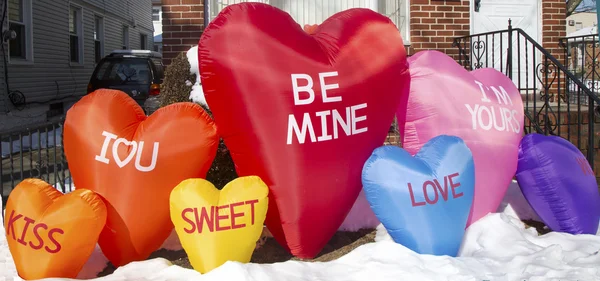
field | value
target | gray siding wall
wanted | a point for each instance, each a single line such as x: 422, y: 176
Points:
x: 51, y: 76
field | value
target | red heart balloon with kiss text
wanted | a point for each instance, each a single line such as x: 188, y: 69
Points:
x: 303, y: 111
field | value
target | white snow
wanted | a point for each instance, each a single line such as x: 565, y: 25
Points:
x: 497, y: 247
x: 197, y: 94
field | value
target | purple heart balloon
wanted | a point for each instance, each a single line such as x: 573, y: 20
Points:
x: 559, y: 184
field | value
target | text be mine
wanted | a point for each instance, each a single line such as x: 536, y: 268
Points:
x: 347, y: 122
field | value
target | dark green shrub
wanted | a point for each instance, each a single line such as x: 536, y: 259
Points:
x: 175, y: 89
x: 223, y: 169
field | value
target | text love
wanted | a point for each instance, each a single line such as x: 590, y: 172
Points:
x: 347, y: 120
x: 437, y: 189
x: 585, y: 166
x: 213, y: 219
x: 40, y: 231
x: 136, y: 150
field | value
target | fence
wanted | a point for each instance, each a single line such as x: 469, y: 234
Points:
x: 581, y: 58
x: 33, y: 153
x: 556, y: 101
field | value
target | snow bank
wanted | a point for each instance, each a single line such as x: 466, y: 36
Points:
x: 497, y: 247
x: 197, y: 94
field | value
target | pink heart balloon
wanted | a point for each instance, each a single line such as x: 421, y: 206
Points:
x: 483, y: 107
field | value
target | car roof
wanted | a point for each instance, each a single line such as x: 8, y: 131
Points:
x: 135, y: 53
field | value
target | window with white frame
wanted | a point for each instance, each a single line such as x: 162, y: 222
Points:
x: 156, y: 13
x: 125, y: 38
x: 76, y: 34
x: 19, y: 20
x: 143, y: 41
x: 317, y: 11
x: 399, y: 12
x: 98, y: 38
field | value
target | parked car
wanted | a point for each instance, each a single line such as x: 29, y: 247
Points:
x: 139, y: 73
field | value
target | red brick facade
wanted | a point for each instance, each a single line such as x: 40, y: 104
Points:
x: 554, y: 25
x: 433, y: 25
x: 183, y: 22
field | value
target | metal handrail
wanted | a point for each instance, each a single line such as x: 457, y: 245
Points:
x: 539, y: 47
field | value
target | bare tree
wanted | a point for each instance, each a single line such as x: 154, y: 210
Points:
x: 573, y: 6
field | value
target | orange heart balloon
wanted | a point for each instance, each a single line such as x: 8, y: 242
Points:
x: 311, y: 29
x: 51, y: 235
x: 134, y: 162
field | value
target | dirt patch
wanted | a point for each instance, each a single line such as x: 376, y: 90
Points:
x: 341, y: 244
x: 539, y: 226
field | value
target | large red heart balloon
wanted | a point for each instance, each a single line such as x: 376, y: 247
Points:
x: 134, y: 162
x: 303, y: 111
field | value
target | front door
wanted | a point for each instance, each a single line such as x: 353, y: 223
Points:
x: 493, y: 15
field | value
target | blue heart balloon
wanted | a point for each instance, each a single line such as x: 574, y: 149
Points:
x: 423, y: 201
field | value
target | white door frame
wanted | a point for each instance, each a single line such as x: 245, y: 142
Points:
x: 540, y: 21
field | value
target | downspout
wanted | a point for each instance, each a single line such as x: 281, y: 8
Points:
x: 206, y: 13
x: 598, y: 18
x: 597, y: 108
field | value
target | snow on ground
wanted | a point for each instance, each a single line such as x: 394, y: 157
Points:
x: 497, y: 247
x: 197, y: 94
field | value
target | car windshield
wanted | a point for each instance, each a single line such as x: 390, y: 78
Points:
x: 124, y: 71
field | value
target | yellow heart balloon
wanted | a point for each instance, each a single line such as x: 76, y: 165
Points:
x: 216, y: 226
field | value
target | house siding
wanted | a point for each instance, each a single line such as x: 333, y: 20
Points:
x: 51, y: 76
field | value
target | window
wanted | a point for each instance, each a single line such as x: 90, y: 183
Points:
x: 125, y: 39
x: 156, y: 11
x: 76, y: 34
x: 317, y: 11
x: 19, y: 17
x: 119, y: 71
x: 98, y: 38
x: 398, y: 12
x: 143, y: 41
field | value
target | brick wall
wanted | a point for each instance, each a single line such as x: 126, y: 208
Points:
x: 183, y: 23
x: 435, y: 24
x: 554, y: 26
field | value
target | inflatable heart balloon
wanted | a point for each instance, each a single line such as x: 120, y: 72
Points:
x: 423, y: 202
x: 559, y: 184
x: 303, y: 112
x: 311, y: 28
x: 216, y: 226
x: 483, y: 107
x: 51, y: 235
x: 134, y: 162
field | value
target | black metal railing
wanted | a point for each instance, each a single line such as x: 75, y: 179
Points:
x: 581, y: 58
x: 556, y: 101
x: 33, y: 153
